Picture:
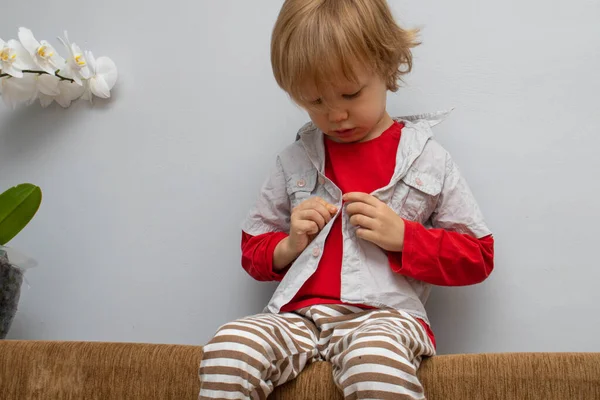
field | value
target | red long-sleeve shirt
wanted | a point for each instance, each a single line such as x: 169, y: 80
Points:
x: 434, y: 256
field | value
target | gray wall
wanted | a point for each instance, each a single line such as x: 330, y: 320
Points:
x: 138, y: 235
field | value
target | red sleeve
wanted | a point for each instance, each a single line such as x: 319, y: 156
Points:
x: 257, y: 255
x: 442, y: 257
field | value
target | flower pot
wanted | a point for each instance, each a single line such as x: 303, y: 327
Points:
x: 11, y: 279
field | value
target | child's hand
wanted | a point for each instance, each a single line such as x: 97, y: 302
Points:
x: 377, y: 222
x: 307, y: 220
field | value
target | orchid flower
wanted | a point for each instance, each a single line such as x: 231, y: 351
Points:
x: 17, y: 91
x: 103, y: 77
x: 46, y: 88
x: 14, y: 58
x: 76, y: 66
x: 33, y: 70
x: 69, y: 91
x: 44, y: 55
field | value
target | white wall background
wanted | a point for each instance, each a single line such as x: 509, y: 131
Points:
x: 138, y: 235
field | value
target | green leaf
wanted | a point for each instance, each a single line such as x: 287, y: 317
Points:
x: 18, y: 205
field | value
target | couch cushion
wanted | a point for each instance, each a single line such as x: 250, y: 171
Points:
x: 35, y: 370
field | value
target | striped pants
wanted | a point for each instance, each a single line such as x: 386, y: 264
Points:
x: 375, y: 353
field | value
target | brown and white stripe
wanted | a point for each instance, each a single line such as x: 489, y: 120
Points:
x: 375, y: 353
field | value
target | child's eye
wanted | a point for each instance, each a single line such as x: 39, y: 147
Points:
x: 316, y: 102
x: 353, y: 95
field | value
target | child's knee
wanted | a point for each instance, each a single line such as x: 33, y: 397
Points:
x: 231, y: 338
x: 235, y: 346
x: 378, y: 368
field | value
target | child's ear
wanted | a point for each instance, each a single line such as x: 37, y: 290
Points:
x: 390, y: 81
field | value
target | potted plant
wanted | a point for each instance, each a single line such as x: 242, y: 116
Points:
x: 18, y: 205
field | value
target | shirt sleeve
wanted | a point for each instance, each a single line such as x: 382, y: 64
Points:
x: 257, y: 255
x: 266, y: 224
x: 443, y: 258
x: 458, y: 249
x: 271, y: 211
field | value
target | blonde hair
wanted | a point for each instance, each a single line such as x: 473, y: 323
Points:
x: 314, y: 41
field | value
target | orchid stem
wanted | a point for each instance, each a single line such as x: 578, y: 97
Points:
x: 30, y: 71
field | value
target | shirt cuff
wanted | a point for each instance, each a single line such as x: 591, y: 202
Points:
x: 398, y: 259
x: 273, y: 242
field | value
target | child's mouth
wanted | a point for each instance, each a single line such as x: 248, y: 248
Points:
x: 345, y: 132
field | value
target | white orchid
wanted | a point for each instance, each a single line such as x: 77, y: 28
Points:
x: 64, y: 93
x: 46, y: 89
x: 44, y: 55
x: 16, y: 91
x: 14, y: 58
x: 76, y: 66
x: 103, y: 76
x: 33, y: 70
x: 69, y: 91
x: 30, y: 87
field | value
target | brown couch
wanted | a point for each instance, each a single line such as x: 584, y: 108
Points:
x: 31, y: 370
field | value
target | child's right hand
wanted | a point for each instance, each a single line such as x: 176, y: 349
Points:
x: 307, y: 220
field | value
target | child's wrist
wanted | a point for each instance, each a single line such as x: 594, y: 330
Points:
x: 284, y: 255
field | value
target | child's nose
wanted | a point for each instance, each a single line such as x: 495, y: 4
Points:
x: 338, y: 115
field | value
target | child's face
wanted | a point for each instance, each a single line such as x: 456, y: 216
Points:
x: 351, y: 112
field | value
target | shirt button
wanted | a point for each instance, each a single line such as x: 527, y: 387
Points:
x: 321, y: 180
x: 419, y: 181
x: 316, y: 252
x: 301, y: 183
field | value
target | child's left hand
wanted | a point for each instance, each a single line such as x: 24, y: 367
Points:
x: 377, y: 222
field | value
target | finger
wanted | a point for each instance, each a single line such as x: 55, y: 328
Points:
x: 366, y: 234
x: 312, y: 215
x: 362, y: 198
x: 361, y: 208
x: 305, y: 205
x: 328, y: 206
x: 323, y: 211
x: 313, y: 202
x: 305, y: 227
x: 363, y: 222
x: 314, y: 229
